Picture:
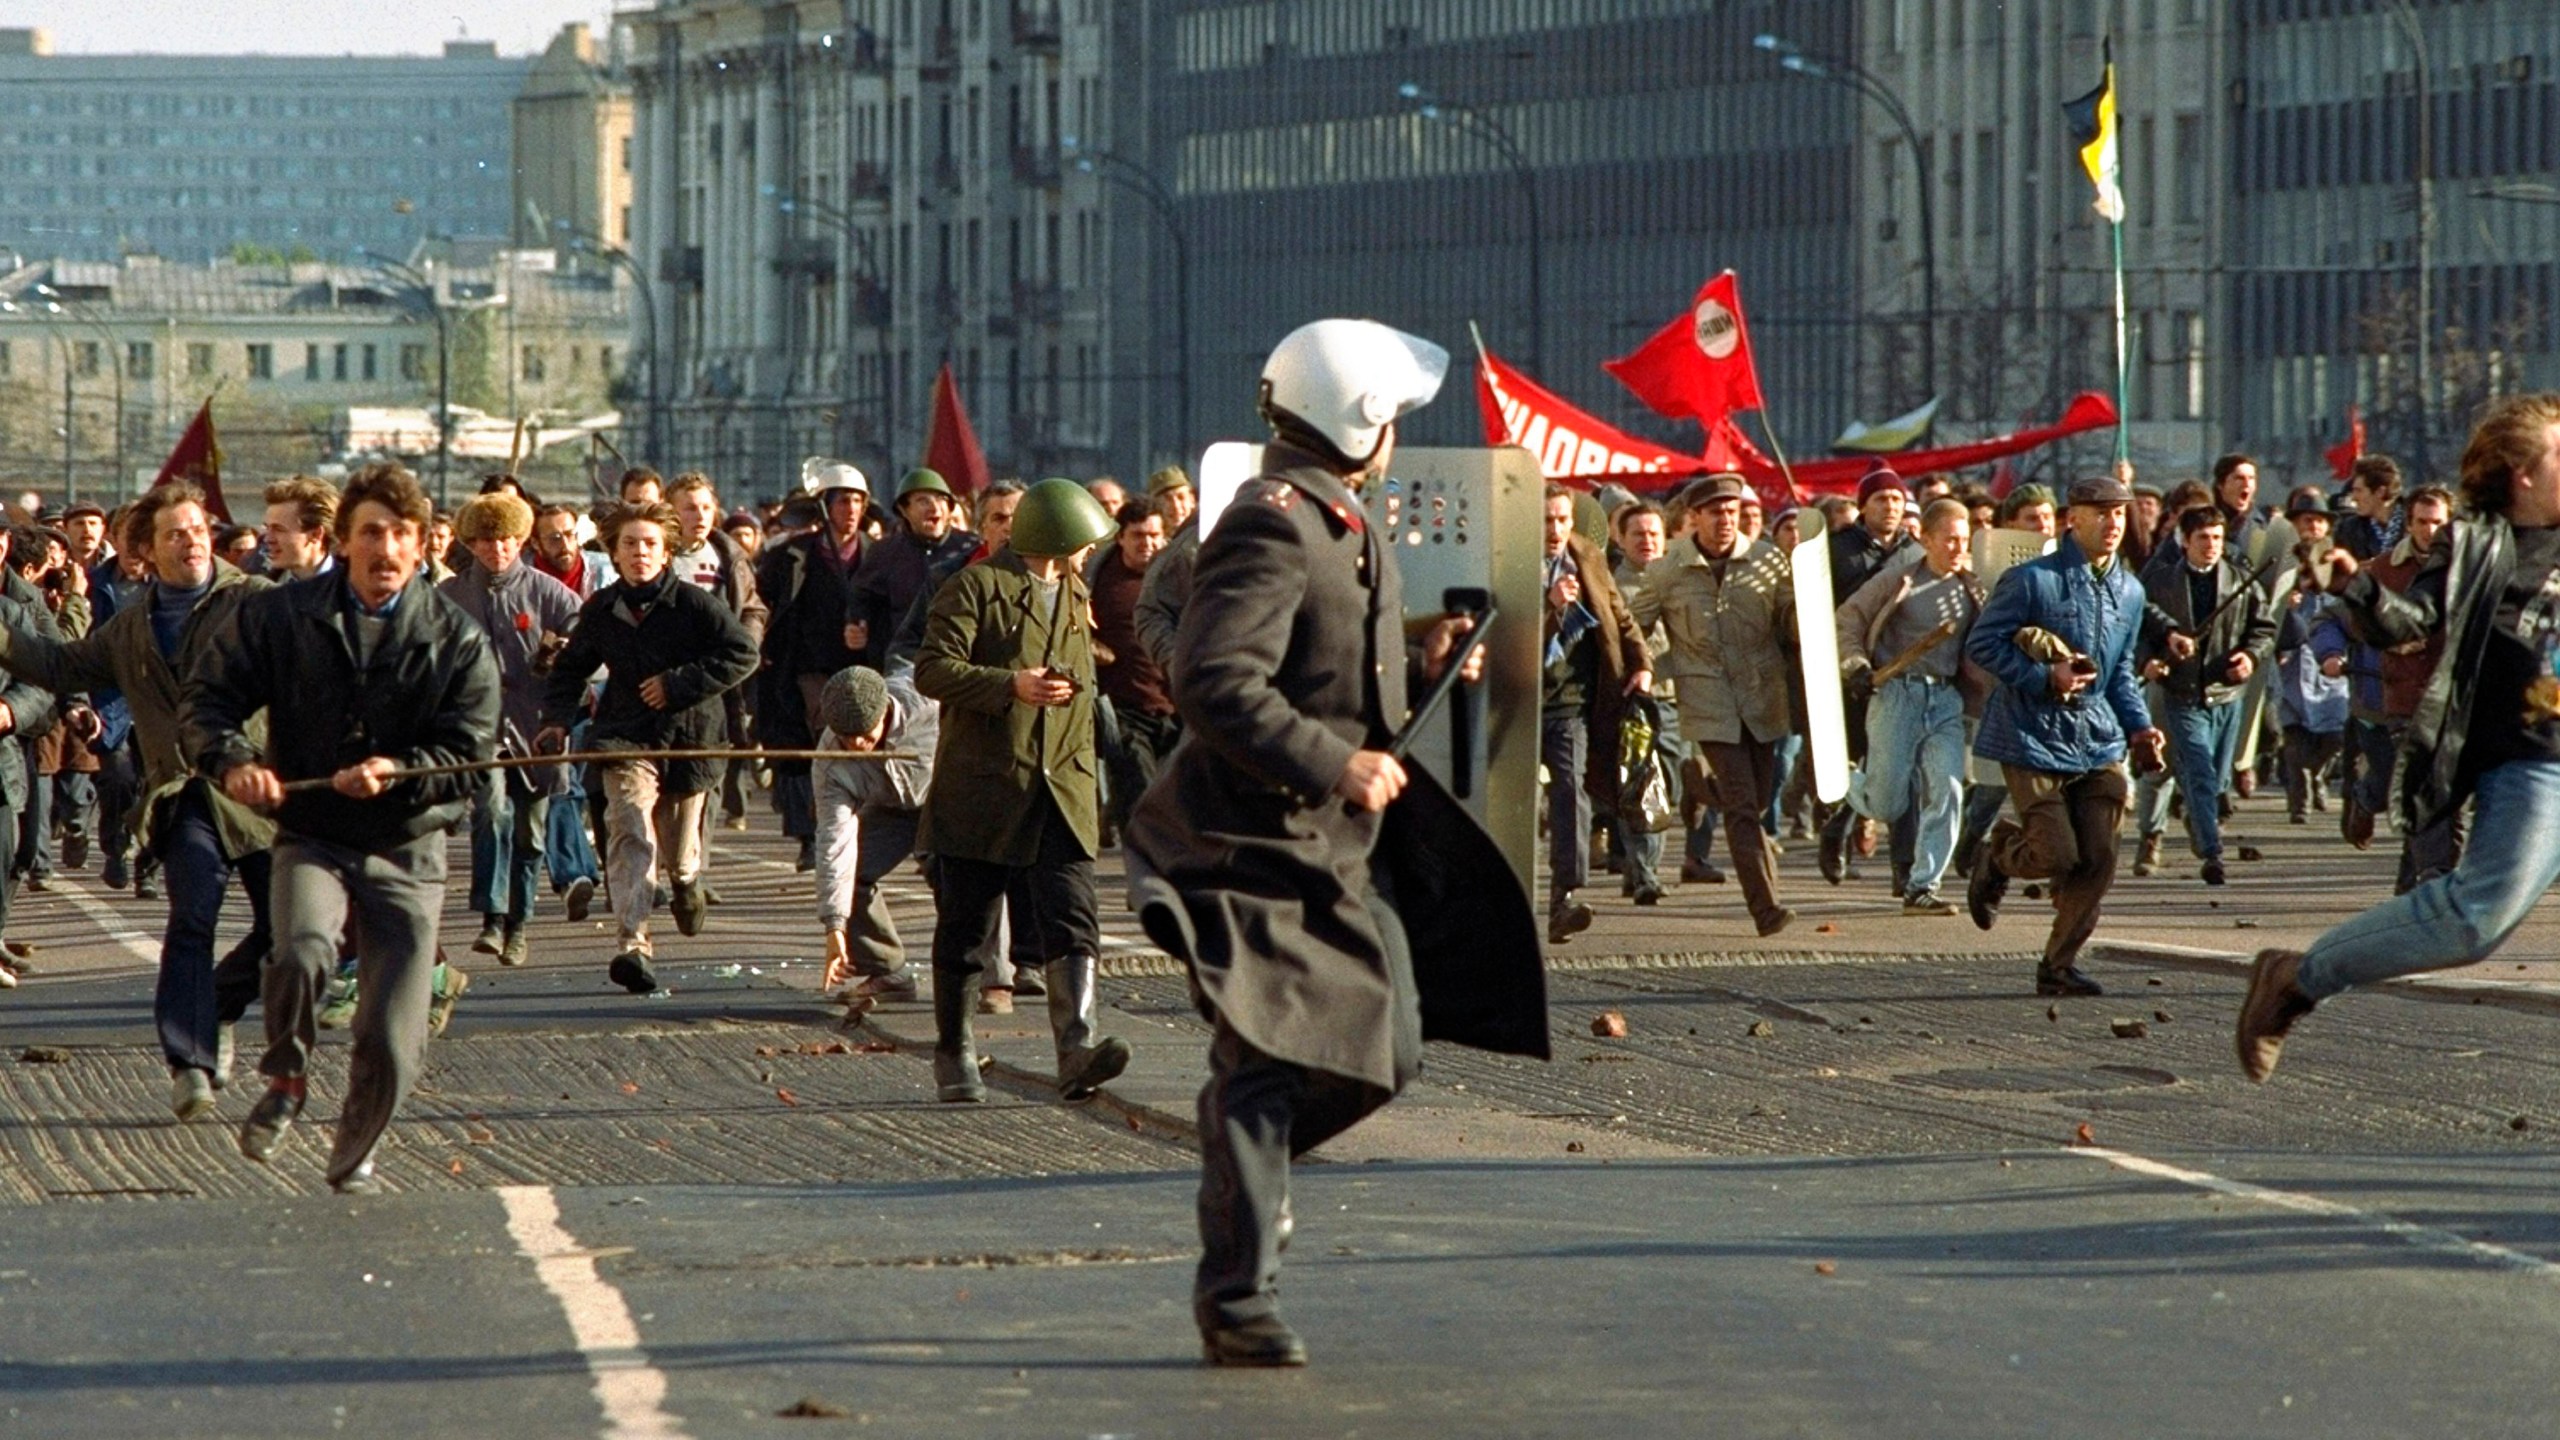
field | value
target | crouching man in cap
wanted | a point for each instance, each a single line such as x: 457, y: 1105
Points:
x: 867, y: 816
x: 2058, y: 634
x: 1334, y: 908
x: 1008, y: 651
x: 363, y: 672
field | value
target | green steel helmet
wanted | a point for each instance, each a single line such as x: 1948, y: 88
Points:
x: 1058, y: 518
x: 923, y: 481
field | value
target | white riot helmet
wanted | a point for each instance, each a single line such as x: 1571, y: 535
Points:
x: 818, y: 475
x: 1343, y: 382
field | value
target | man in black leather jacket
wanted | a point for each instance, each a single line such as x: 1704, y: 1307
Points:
x: 363, y: 672
x: 2487, y: 730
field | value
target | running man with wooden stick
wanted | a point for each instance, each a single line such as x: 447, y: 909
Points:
x: 363, y: 671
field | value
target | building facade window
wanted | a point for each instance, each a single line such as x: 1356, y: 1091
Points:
x: 199, y: 360
x: 85, y: 358
x: 262, y: 362
x: 310, y: 362
x: 6, y: 364
x: 371, y: 363
x: 338, y: 362
x: 413, y: 362
x: 139, y: 360
x: 532, y: 363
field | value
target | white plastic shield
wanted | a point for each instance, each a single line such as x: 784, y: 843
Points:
x: 1818, y: 647
x: 1224, y: 467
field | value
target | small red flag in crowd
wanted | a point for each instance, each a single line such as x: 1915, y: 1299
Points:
x: 1698, y: 366
x: 198, y: 460
x: 950, y: 447
x: 2344, y: 455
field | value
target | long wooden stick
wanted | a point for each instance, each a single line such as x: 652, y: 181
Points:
x: 607, y: 757
x: 1944, y: 631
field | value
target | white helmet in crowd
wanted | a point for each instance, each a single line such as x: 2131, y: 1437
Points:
x: 1343, y: 382
x: 818, y: 475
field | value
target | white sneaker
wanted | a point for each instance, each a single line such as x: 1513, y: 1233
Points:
x: 190, y: 1093
x: 224, y: 1052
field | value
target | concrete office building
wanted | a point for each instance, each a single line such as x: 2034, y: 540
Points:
x: 188, y: 156
x: 2390, y: 161
x: 2025, y: 294
x: 148, y: 339
x: 1661, y: 146
x: 834, y: 199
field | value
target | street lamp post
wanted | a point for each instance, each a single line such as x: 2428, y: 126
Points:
x: 114, y: 362
x: 2424, y: 184
x: 1856, y: 77
x: 444, y: 372
x: 61, y: 347
x: 847, y: 226
x: 621, y: 258
x: 1147, y: 185
x: 1472, y: 121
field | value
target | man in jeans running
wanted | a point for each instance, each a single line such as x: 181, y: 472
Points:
x: 2487, y: 730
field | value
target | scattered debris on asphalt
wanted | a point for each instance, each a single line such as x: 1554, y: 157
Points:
x: 1761, y: 1030
x: 44, y: 1055
x: 1609, y: 1025
x: 810, y: 1407
x: 2129, y: 1029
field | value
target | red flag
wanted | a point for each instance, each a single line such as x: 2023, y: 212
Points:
x: 1698, y: 366
x: 950, y: 446
x: 1569, y: 444
x: 198, y: 459
x: 2344, y: 455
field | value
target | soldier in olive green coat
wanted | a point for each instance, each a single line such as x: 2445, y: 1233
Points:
x: 1008, y: 650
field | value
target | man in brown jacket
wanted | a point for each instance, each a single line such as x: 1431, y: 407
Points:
x: 1595, y: 659
x: 1728, y: 605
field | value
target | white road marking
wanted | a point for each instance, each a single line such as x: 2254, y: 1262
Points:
x: 114, y: 927
x: 631, y: 1391
x: 2425, y: 1237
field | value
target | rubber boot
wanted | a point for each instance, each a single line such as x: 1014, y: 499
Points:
x: 1086, y: 1061
x: 955, y: 1049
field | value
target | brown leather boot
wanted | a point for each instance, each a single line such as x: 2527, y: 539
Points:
x: 2146, y: 856
x: 2275, y: 1000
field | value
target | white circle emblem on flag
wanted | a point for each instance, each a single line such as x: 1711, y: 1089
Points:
x: 1717, y: 334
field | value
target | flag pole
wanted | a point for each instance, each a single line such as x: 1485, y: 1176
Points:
x: 1778, y: 453
x: 2115, y: 230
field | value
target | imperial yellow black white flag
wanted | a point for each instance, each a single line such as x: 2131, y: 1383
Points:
x: 2093, y: 127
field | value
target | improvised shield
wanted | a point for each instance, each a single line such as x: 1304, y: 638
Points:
x: 1826, y: 711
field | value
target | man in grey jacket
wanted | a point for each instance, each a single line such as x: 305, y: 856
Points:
x: 528, y: 616
x: 867, y: 813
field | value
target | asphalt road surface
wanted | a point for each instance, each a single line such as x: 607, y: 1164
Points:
x: 1854, y: 1180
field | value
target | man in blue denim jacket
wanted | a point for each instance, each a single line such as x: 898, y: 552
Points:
x: 2059, y: 634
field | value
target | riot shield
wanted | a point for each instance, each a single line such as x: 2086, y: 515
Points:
x: 1826, y: 712
x: 1460, y: 521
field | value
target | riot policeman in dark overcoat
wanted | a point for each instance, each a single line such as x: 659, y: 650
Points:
x: 1273, y: 853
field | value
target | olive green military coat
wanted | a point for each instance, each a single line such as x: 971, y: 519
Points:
x: 998, y: 755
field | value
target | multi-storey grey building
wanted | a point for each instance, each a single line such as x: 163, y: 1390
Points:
x: 2390, y: 218
x: 188, y: 156
x: 125, y: 352
x: 1999, y: 205
x: 1660, y: 147
x: 833, y: 198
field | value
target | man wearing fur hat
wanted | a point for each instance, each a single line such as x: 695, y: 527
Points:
x: 867, y: 813
x: 528, y: 616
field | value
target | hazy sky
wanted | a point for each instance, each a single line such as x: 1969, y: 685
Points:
x: 299, y: 27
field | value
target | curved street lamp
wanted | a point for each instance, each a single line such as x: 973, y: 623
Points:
x: 115, y: 362
x: 621, y: 259
x: 426, y: 286
x: 1469, y: 120
x: 1138, y: 180
x: 48, y: 314
x: 851, y: 229
x: 1858, y: 78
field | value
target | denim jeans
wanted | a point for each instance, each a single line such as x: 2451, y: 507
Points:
x: 1564, y: 738
x: 567, y: 852
x: 2465, y: 915
x: 2203, y: 739
x: 506, y: 849
x: 1915, y: 762
x: 196, y: 997
x: 2373, y: 746
x: 1791, y: 754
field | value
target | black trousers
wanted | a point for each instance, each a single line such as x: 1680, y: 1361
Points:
x: 1258, y: 1113
x: 1055, y: 914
